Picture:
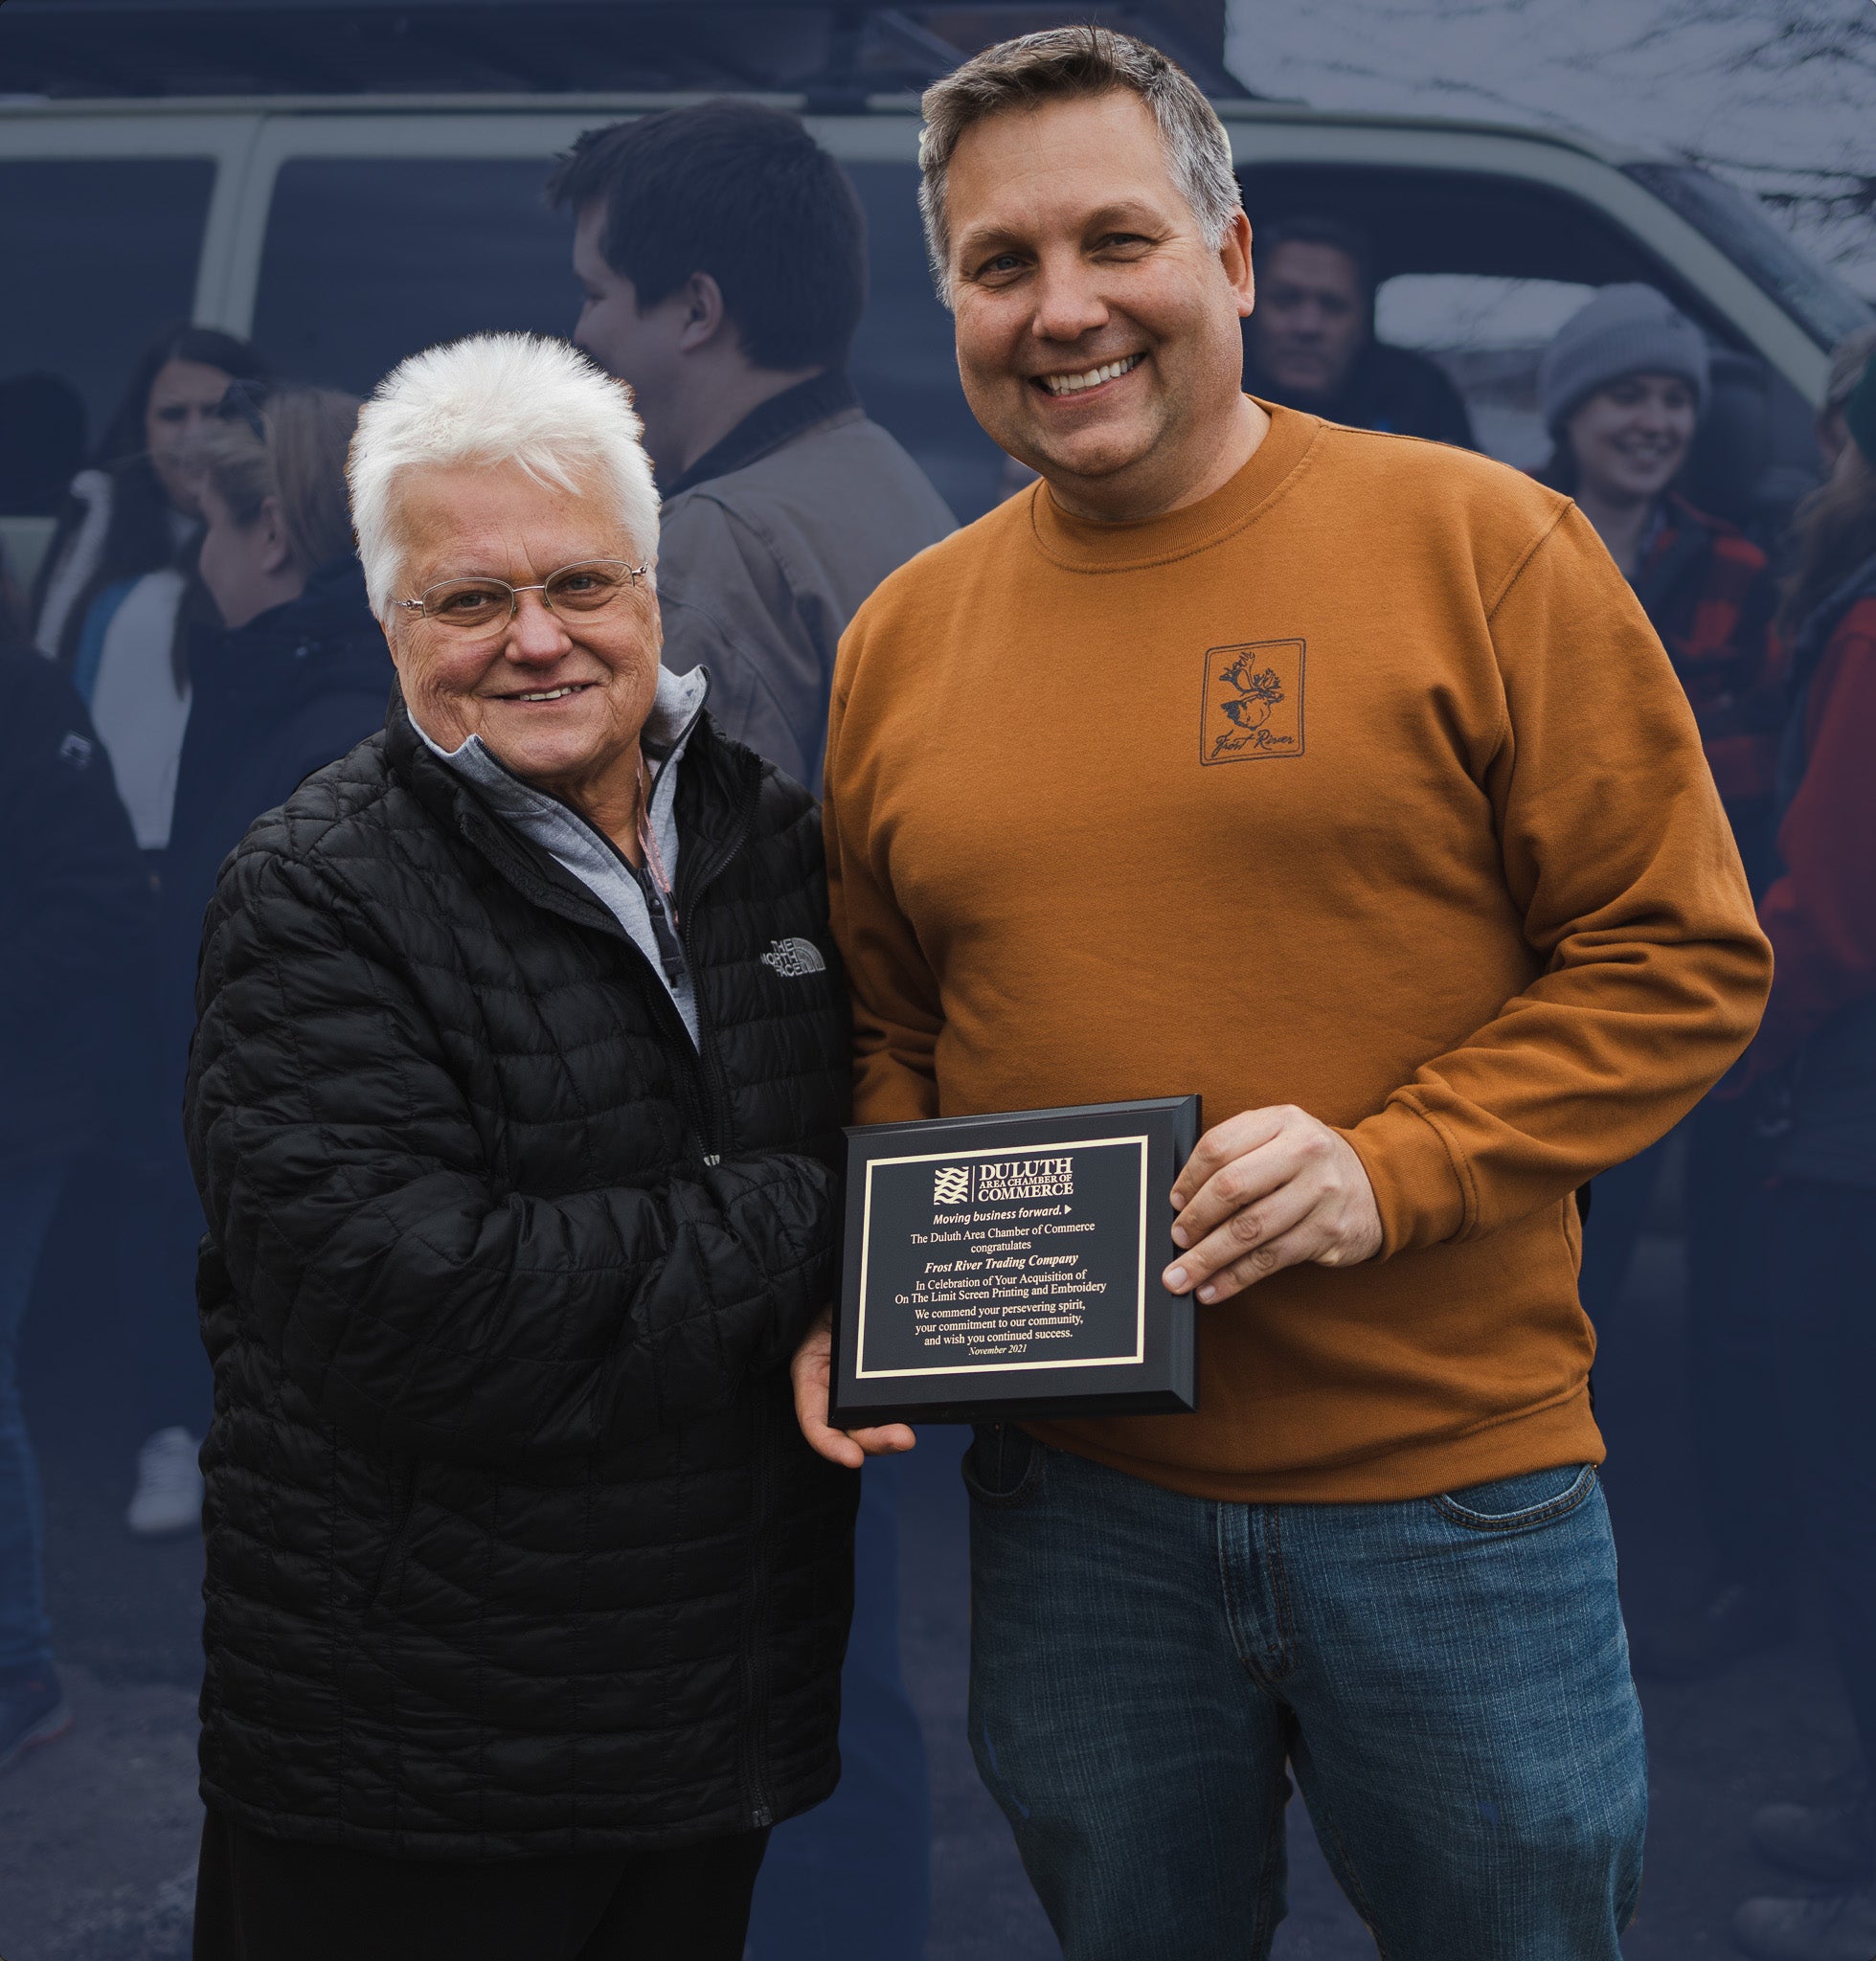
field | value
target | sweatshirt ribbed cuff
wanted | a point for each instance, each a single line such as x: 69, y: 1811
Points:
x: 1417, y: 1186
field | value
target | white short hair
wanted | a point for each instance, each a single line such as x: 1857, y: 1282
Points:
x: 493, y: 398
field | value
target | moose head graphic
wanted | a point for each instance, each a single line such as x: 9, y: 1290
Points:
x: 1259, y: 690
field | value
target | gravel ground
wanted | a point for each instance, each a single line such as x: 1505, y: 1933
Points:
x: 98, y: 1833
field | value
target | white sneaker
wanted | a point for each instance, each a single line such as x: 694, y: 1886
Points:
x: 168, y: 1494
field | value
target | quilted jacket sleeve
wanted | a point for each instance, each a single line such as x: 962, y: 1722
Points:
x: 349, y: 1190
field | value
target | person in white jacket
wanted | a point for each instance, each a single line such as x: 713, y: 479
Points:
x: 115, y: 605
x: 111, y: 603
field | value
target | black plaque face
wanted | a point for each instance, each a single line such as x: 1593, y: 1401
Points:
x: 1010, y: 1265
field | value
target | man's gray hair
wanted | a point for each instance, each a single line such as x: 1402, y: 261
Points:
x: 1058, y: 65
x: 491, y: 400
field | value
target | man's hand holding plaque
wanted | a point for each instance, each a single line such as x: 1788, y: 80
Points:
x: 1264, y: 1190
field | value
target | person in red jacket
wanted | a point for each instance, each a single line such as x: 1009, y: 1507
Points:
x: 1623, y: 387
x: 1814, y: 1070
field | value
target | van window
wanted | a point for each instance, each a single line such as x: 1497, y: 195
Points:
x: 368, y: 260
x: 1479, y: 270
x: 99, y: 256
x: 1488, y: 334
x: 905, y: 361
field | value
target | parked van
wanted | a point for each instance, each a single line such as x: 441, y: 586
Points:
x: 343, y: 232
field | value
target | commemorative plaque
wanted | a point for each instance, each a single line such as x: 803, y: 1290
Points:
x: 1010, y: 1266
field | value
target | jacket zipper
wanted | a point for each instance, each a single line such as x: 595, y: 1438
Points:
x: 716, y: 1092
x: 675, y: 956
x: 714, y: 1084
x: 707, y: 1092
x: 707, y: 1087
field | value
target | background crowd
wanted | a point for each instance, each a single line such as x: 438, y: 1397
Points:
x: 196, y: 640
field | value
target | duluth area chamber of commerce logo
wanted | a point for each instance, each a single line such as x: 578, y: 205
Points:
x: 1253, y: 704
x: 1003, y: 1178
x: 791, y: 958
x: 952, y: 1185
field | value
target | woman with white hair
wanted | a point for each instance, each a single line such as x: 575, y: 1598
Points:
x: 514, y: 1105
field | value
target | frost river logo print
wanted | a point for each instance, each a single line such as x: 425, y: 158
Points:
x: 1253, y: 704
x: 793, y: 958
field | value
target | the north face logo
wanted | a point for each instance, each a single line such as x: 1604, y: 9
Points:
x: 951, y: 1186
x: 794, y: 957
x: 1253, y: 704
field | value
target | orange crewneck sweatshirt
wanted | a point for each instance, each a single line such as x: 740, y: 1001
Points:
x: 1361, y: 785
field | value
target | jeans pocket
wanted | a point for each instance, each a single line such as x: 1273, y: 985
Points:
x: 1003, y: 1465
x: 1515, y: 1505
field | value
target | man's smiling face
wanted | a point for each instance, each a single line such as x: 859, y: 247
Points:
x: 1097, y: 332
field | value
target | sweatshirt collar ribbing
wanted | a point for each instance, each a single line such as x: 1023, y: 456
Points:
x: 1085, y: 544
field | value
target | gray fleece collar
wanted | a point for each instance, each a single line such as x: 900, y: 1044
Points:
x: 561, y: 831
x: 675, y: 710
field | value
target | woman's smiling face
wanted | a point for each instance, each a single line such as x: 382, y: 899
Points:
x: 557, y: 697
x: 1631, y: 438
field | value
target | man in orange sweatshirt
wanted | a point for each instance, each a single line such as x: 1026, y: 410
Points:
x: 1339, y: 777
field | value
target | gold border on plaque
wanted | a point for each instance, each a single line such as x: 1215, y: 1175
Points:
x: 862, y: 1373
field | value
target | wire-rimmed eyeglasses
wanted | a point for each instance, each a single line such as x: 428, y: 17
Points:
x: 487, y: 605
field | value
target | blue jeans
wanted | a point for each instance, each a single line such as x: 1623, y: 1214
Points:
x: 29, y: 1196
x: 1448, y: 1677
x: 850, y: 1881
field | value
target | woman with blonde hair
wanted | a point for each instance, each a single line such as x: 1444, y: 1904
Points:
x: 299, y: 675
x: 301, y: 672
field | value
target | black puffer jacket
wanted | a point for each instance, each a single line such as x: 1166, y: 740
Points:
x: 514, y: 1547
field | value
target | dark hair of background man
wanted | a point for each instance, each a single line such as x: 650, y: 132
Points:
x: 741, y: 191
x: 1316, y: 229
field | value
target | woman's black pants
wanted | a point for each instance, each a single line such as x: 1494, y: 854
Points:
x: 261, y: 1899
x: 1823, y: 1268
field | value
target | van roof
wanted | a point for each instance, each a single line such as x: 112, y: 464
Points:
x: 1262, y: 109
x: 866, y: 57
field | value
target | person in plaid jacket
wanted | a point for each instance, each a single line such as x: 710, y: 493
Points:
x: 1622, y: 388
x: 1708, y: 591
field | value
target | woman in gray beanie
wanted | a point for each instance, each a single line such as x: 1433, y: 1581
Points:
x: 1622, y: 388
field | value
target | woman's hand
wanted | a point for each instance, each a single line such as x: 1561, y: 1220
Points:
x: 812, y: 1370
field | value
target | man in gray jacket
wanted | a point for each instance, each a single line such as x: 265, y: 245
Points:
x: 722, y: 256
